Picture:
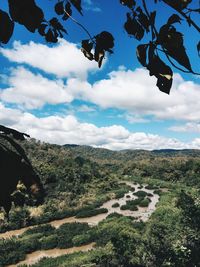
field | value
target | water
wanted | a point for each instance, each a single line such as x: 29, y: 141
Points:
x: 142, y: 213
x: 34, y: 257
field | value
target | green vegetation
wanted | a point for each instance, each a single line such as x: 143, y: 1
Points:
x: 90, y: 213
x: 141, y: 194
x: 115, y: 205
x: 43, y: 237
x: 78, y: 180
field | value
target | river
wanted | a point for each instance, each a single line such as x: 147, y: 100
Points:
x: 141, y: 214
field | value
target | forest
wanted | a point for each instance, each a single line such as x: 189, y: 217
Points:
x: 79, y: 179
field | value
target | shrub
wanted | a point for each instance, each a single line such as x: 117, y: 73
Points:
x: 115, y: 205
x: 140, y: 193
x: 90, y: 213
x: 144, y: 203
x: 49, y: 242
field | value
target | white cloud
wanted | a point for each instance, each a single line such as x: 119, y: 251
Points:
x: 88, y: 5
x: 136, y: 92
x: 63, y: 60
x: 86, y: 108
x: 68, y: 130
x: 187, y: 127
x: 132, y: 91
x: 33, y: 90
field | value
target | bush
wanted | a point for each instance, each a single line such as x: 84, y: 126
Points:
x: 145, y: 202
x: 151, y: 187
x: 115, y: 205
x: 49, y: 242
x: 44, y: 229
x: 158, y: 192
x: 140, y: 193
x: 90, y: 213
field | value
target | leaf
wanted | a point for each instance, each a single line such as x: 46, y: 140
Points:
x: 99, y: 55
x: 172, y: 42
x: 143, y: 19
x: 51, y: 36
x: 173, y: 19
x: 59, y: 8
x: 9, y: 131
x: 26, y: 13
x: 162, y: 72
x: 86, y: 49
x: 132, y: 27
x: 77, y: 5
x: 128, y: 3
x: 178, y: 4
x: 141, y: 53
x: 105, y: 40
x: 6, y: 27
x: 198, y: 48
x: 57, y: 26
x: 41, y: 29
x: 68, y: 11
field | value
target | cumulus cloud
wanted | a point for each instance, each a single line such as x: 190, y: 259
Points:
x: 135, y: 92
x: 63, y: 60
x: 187, y: 127
x: 33, y: 90
x: 132, y: 91
x: 69, y: 130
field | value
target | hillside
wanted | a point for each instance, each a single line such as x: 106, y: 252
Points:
x: 78, y: 180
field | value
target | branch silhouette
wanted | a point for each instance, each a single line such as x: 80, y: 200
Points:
x: 141, y: 21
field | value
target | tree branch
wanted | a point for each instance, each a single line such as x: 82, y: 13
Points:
x: 80, y: 25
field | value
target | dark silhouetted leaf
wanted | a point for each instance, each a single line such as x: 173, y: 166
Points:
x: 141, y: 53
x: 51, y: 36
x: 59, y: 8
x: 162, y: 72
x: 178, y: 4
x: 6, y: 27
x: 42, y: 28
x: 173, y: 19
x: 143, y: 19
x: 77, y: 5
x: 86, y: 49
x: 132, y: 27
x: 198, y: 48
x: 68, y: 11
x: 57, y: 26
x: 26, y: 13
x: 128, y: 3
x: 16, y: 135
x: 172, y: 42
x: 99, y: 55
x: 105, y: 40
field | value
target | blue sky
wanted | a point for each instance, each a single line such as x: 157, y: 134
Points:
x: 56, y: 95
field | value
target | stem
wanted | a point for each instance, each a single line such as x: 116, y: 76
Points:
x: 178, y: 68
x: 80, y: 25
x: 153, y: 28
x: 189, y: 20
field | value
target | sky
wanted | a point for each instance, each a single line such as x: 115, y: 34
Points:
x: 56, y: 95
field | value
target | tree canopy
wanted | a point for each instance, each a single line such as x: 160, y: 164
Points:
x: 163, y: 44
